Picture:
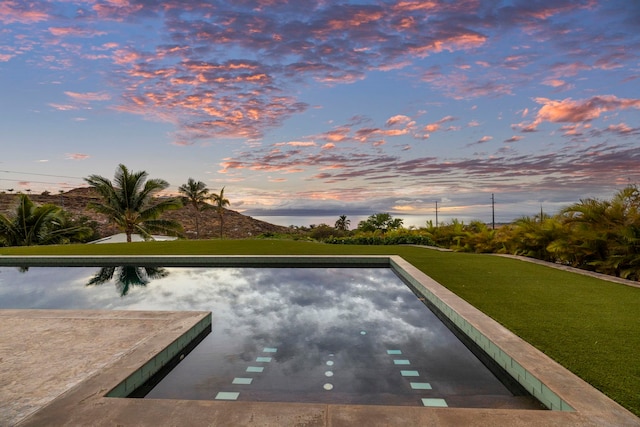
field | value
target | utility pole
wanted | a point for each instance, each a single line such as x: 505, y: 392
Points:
x: 493, y: 212
x: 436, y: 214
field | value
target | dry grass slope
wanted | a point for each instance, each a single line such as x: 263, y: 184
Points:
x: 75, y: 201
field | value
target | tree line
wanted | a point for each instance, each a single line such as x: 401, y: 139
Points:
x: 593, y: 234
x: 596, y: 235
x: 129, y: 201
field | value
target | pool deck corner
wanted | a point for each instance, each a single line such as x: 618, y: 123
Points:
x: 47, y: 355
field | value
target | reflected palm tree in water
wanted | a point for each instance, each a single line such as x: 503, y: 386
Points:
x: 127, y: 276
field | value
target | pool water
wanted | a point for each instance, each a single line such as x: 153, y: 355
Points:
x: 323, y: 335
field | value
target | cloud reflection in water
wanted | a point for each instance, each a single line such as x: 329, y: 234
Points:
x: 347, y: 316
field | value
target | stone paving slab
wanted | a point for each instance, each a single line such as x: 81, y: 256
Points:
x: 45, y: 353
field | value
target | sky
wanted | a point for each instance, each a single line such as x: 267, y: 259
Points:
x: 320, y: 107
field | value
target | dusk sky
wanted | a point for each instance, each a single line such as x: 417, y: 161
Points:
x: 323, y: 107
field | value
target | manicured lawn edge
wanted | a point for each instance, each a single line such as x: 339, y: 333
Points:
x: 588, y: 325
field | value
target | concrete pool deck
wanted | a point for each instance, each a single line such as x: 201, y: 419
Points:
x: 57, y: 366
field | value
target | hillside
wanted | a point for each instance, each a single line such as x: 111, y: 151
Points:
x: 75, y: 201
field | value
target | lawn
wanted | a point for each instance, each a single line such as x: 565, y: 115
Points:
x: 590, y: 326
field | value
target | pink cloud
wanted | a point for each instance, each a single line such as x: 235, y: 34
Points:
x: 125, y: 56
x: 63, y: 107
x: 336, y: 135
x: 601, y: 163
x: 77, y: 156
x: 563, y: 69
x: 392, y: 132
x: 116, y: 9
x: 458, y: 85
x: 432, y: 127
x: 23, y: 12
x: 621, y: 128
x: 302, y: 144
x: 613, y: 60
x: 227, y: 69
x: 514, y: 138
x: 554, y: 82
x: 398, y: 119
x: 75, y: 31
x: 578, y: 111
x: 88, y: 96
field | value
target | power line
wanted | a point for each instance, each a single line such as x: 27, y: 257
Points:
x: 41, y: 174
x: 62, y: 184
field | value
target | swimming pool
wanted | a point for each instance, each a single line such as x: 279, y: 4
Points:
x: 324, y: 335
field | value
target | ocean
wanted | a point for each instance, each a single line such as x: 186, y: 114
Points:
x: 306, y: 221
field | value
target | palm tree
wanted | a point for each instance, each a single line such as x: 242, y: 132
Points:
x: 606, y: 234
x: 342, y: 223
x: 128, y: 202
x: 195, y: 194
x: 39, y: 225
x: 127, y: 276
x: 479, y: 238
x: 536, y: 237
x: 220, y: 202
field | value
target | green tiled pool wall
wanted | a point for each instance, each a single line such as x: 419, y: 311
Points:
x: 149, y: 369
x: 525, y: 378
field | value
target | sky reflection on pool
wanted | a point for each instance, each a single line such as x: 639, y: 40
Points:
x: 334, y: 335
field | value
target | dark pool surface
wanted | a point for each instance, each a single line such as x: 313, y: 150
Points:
x: 332, y: 335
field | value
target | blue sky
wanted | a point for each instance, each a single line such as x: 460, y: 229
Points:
x: 324, y: 107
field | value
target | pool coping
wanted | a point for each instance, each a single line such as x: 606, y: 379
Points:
x: 574, y: 402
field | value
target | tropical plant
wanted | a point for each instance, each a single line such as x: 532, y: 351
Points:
x: 532, y: 236
x: 39, y: 225
x: 220, y: 202
x: 342, y: 223
x: 380, y: 222
x: 129, y: 203
x: 447, y: 235
x: 604, y: 235
x: 323, y: 232
x: 195, y: 194
x: 479, y: 238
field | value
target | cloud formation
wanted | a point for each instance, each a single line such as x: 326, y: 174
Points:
x: 579, y: 111
x: 77, y: 156
x: 225, y: 69
x: 386, y: 100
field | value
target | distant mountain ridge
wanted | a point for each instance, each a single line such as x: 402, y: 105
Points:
x: 236, y: 225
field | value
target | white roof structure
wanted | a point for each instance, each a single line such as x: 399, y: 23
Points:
x: 122, y: 238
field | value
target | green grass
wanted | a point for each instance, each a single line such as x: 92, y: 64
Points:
x: 591, y: 327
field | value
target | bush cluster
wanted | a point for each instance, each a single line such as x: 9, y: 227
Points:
x: 595, y: 235
x: 382, y: 239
